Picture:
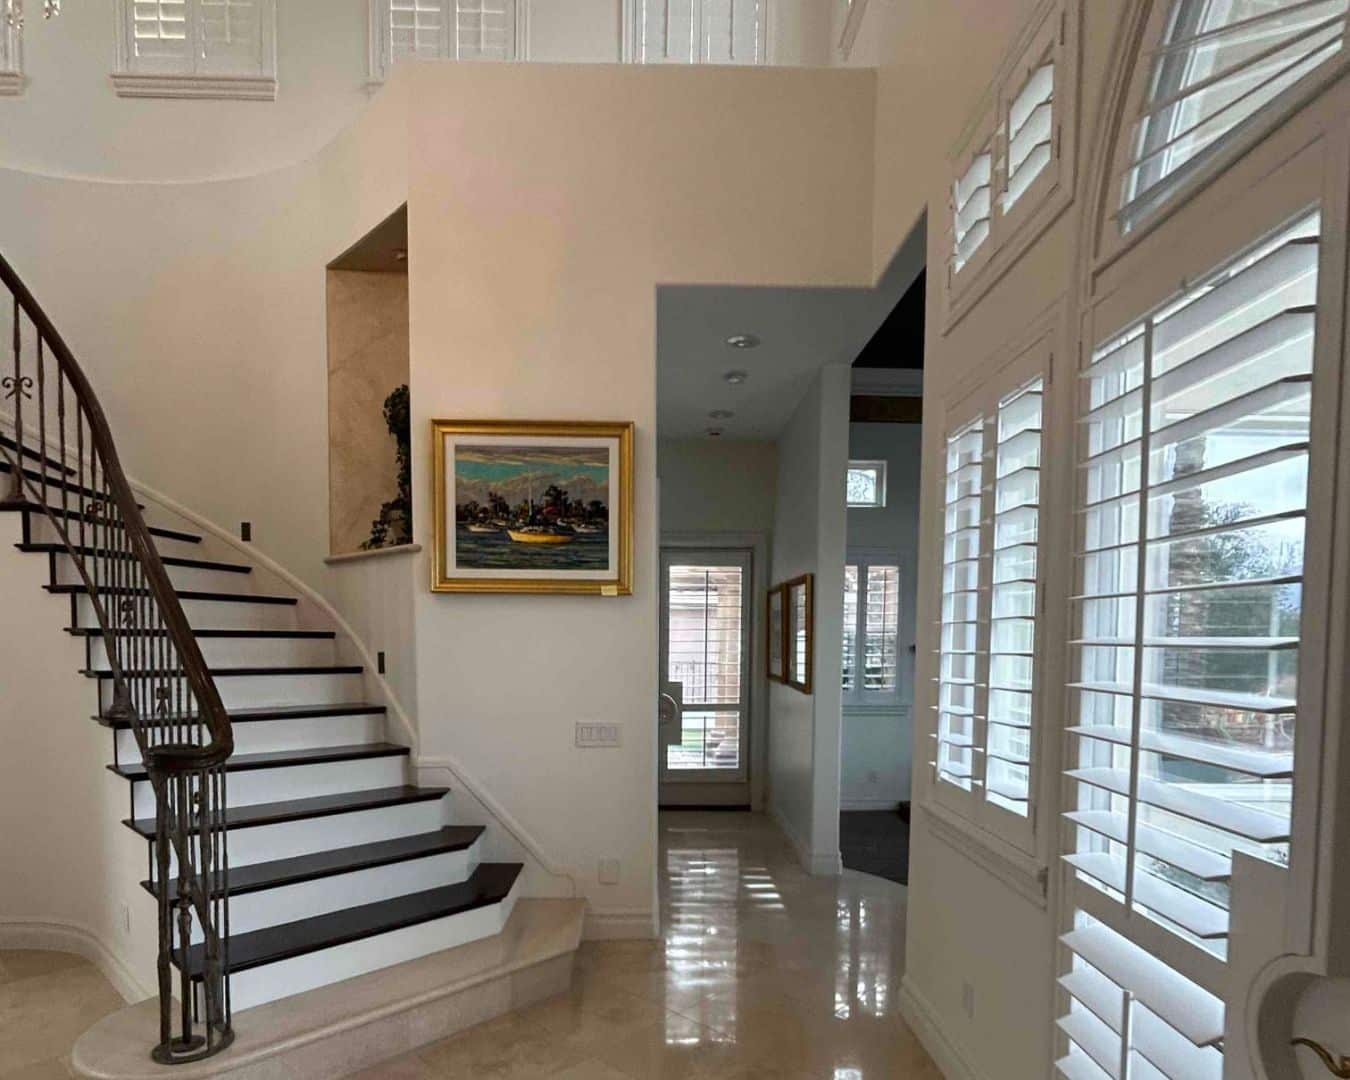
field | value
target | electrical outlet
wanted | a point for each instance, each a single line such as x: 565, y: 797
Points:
x: 609, y: 871
x: 379, y: 662
x: 968, y: 1000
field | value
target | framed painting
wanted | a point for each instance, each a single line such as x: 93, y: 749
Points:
x: 528, y: 506
x: 776, y: 626
x: 800, y: 645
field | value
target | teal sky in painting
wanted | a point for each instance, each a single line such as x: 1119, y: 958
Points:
x: 494, y: 464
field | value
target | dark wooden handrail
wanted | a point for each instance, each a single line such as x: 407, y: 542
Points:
x: 161, y: 685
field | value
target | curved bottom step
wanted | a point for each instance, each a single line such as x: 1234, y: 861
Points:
x: 349, y: 1026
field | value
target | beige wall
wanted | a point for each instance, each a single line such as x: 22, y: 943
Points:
x: 367, y: 359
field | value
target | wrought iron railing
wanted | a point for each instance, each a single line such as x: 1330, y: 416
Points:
x: 62, y: 463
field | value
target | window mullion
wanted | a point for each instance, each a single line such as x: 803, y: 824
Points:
x: 985, y: 600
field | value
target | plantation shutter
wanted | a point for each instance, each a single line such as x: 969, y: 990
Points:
x: 1031, y: 129
x: 418, y: 28
x: 1218, y: 65
x: 972, y: 202
x: 850, y: 665
x: 230, y: 36
x: 485, y: 29
x: 1192, y: 508
x: 881, y: 627
x: 161, y: 33
x: 700, y: 31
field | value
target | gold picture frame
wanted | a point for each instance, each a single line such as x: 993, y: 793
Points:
x: 799, y: 632
x: 504, y: 523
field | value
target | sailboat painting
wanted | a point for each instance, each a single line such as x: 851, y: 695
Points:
x: 533, y: 507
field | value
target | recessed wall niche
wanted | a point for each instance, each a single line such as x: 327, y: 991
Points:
x: 369, y: 496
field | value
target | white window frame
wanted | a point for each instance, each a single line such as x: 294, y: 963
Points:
x: 130, y: 78
x: 879, y: 467
x: 1292, y: 159
x: 378, y: 65
x: 1014, y: 845
x: 860, y: 699
x: 632, y: 33
x: 11, y: 60
x: 1128, y: 91
x: 1051, y: 36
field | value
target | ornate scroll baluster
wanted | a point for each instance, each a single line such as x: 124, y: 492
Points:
x: 160, y: 684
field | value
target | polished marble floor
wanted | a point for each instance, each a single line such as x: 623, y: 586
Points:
x: 761, y: 971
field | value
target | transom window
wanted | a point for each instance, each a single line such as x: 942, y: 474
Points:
x: 697, y: 31
x: 866, y: 484
x: 196, y: 48
x: 1219, y: 63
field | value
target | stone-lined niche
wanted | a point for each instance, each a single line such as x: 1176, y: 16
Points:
x: 369, y: 506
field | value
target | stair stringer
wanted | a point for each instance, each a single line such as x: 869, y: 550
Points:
x: 506, y: 839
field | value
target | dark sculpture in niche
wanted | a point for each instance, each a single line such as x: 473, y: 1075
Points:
x: 394, y: 525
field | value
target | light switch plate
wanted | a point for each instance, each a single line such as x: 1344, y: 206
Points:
x: 591, y: 734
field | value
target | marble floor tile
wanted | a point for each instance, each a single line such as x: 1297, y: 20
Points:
x: 47, y: 1000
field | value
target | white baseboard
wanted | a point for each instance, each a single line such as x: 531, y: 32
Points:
x: 70, y: 938
x: 815, y: 863
x: 923, y: 1021
x: 868, y: 804
x: 619, y: 925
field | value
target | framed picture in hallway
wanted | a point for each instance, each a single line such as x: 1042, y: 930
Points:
x: 531, y: 506
x: 774, y: 622
x: 799, y: 644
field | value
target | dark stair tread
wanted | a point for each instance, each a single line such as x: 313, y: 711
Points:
x: 54, y: 483
x: 282, y: 759
x: 47, y: 460
x: 281, y: 712
x: 309, y: 635
x: 183, y: 594
x: 230, y: 672
x: 258, y: 877
x: 125, y: 556
x: 489, y: 884
x: 94, y: 519
x: 246, y: 817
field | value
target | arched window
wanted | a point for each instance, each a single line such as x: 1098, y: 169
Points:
x: 1206, y: 450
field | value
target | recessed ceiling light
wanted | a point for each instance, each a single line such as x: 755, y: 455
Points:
x: 714, y: 433
x: 736, y: 377
x: 743, y: 341
x: 721, y: 414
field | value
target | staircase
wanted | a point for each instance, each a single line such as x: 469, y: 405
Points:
x: 252, y: 755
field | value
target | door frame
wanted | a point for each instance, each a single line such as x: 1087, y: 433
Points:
x: 753, y: 790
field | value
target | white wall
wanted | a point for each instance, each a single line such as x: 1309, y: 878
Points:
x: 69, y: 122
x: 809, y: 538
x: 878, y: 741
x: 721, y: 493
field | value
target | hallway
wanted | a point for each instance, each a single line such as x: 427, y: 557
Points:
x: 761, y: 971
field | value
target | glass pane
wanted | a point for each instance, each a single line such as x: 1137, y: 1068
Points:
x: 709, y: 740
x: 882, y: 622
x: 705, y: 605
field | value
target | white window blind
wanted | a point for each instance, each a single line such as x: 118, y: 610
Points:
x: 1013, y: 606
x: 973, y: 206
x: 1029, y: 145
x: 1219, y: 63
x: 706, y: 641
x: 871, y: 632
x: 956, y: 733
x: 1193, y: 499
x: 699, y: 31
x: 196, y: 48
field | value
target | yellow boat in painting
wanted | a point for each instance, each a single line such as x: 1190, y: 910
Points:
x: 536, y: 535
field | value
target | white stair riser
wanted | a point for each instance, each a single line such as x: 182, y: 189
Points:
x: 267, y: 735
x: 291, y: 903
x: 246, y: 652
x: 264, y: 843
x: 255, y: 786
x: 42, y: 531
x: 215, y: 614
x: 263, y: 691
x: 193, y: 578
x: 287, y: 977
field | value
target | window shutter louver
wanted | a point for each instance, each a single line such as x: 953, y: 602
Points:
x: 1030, y: 134
x: 850, y: 666
x: 1218, y: 65
x: 972, y: 202
x: 881, y: 625
x: 1192, y: 504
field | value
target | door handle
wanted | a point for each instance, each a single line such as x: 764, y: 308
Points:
x: 668, y: 709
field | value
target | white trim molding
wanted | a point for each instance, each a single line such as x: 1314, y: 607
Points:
x: 815, y: 863
x: 1023, y: 874
x: 78, y: 940
x: 374, y: 553
x: 620, y: 924
x: 212, y: 87
x: 922, y: 1019
x: 188, y: 65
x: 11, y: 83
